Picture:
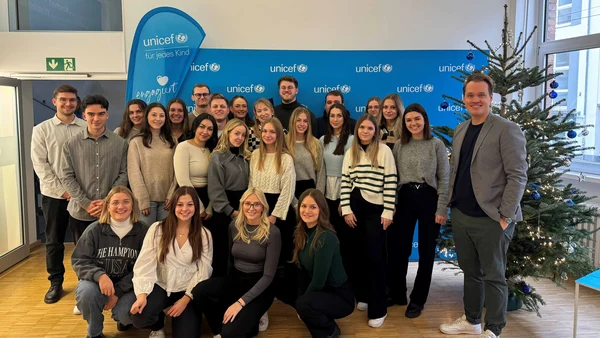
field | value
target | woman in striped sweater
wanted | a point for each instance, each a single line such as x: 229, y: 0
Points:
x: 369, y: 186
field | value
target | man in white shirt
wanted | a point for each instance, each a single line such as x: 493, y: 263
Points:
x: 46, y: 151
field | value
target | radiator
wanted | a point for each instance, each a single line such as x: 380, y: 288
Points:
x: 594, y: 242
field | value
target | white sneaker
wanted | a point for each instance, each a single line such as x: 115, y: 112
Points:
x: 263, y: 323
x: 157, y: 334
x: 361, y: 306
x: 217, y: 336
x: 377, y: 322
x: 488, y: 334
x: 76, y: 311
x: 461, y: 326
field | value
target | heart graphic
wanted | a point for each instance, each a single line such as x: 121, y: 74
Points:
x: 162, y: 80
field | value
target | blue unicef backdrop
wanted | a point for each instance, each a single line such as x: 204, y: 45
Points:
x: 166, y: 61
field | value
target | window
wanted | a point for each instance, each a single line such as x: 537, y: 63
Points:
x: 571, y: 46
x: 571, y: 18
x: 65, y: 15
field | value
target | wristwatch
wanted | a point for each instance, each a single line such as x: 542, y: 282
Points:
x: 508, y: 220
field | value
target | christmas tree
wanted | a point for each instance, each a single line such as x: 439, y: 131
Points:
x: 546, y: 244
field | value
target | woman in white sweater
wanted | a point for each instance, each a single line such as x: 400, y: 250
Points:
x: 176, y: 255
x: 150, y: 165
x: 272, y: 171
x: 368, y: 195
x: 192, y: 157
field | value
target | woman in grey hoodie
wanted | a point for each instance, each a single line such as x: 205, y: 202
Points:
x: 103, y: 261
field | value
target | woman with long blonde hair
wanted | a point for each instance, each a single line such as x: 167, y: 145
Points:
x: 390, y: 115
x: 102, y: 286
x: 228, y: 175
x: 368, y: 194
x: 246, y: 292
x: 307, y: 153
x: 263, y: 111
x: 175, y: 257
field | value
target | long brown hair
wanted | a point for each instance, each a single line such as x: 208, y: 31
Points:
x: 373, y: 147
x: 126, y: 123
x: 343, y: 138
x: 406, y: 134
x: 168, y: 227
x: 301, y: 233
x: 396, y: 129
x: 310, y: 142
x: 185, y: 128
x: 165, y: 130
x: 280, y: 146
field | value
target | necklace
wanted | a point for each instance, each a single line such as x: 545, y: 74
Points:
x: 250, y: 232
x: 183, y: 234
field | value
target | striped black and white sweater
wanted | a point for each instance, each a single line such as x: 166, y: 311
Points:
x: 377, y: 185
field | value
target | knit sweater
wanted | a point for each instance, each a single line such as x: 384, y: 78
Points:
x: 305, y: 167
x: 226, y: 172
x: 191, y: 165
x: 270, y: 182
x: 377, y: 185
x: 150, y: 171
x: 424, y: 161
x: 324, y: 263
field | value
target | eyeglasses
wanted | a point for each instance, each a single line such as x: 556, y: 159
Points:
x: 199, y: 95
x: 249, y: 205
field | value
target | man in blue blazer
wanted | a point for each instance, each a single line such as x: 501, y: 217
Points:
x: 487, y: 179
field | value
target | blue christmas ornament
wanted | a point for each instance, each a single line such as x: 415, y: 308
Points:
x: 526, y: 289
x: 570, y: 202
x: 503, y: 99
x: 470, y: 56
x: 444, y: 105
x: 553, y: 84
x: 553, y: 94
x: 536, y: 195
x: 533, y: 186
x: 573, y: 191
x: 572, y: 134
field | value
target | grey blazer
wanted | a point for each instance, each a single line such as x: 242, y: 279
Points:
x: 498, y: 167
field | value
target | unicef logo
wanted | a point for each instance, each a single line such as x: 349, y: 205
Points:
x: 345, y: 89
x: 302, y: 68
x: 259, y: 88
x: 387, y: 68
x: 214, y: 67
x: 470, y: 67
x: 181, y: 37
x: 428, y: 88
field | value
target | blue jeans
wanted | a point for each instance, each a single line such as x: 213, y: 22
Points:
x: 90, y: 301
x: 157, y: 213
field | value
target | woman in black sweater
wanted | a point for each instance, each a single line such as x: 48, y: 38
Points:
x: 325, y: 293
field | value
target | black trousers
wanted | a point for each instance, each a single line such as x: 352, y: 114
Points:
x: 319, y: 309
x: 153, y: 317
x: 214, y: 296
x: 57, y: 222
x: 78, y: 227
x: 367, y: 254
x: 286, y: 280
x: 416, y: 203
x: 302, y: 186
x: 219, y: 229
x: 343, y: 231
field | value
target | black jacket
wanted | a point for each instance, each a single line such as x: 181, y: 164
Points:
x: 100, y: 250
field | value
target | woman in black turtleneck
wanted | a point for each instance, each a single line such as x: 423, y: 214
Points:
x: 228, y: 175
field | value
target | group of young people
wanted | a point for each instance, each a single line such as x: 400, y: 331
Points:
x: 316, y: 212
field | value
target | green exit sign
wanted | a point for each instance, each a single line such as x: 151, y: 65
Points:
x: 60, y: 64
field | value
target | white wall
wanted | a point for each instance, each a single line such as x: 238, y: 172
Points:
x: 273, y: 24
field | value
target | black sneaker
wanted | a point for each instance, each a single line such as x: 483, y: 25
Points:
x: 53, y: 294
x: 413, y: 310
x: 121, y: 327
x: 336, y: 332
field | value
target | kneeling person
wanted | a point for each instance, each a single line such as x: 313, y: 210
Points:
x: 103, y: 261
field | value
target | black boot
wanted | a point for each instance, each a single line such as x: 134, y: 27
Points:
x: 53, y: 294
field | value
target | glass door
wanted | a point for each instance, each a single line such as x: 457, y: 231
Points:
x: 14, y: 245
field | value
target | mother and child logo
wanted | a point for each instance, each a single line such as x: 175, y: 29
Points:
x: 156, y: 94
